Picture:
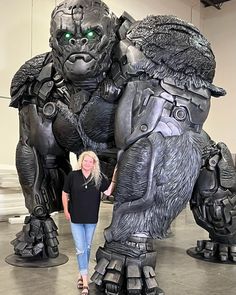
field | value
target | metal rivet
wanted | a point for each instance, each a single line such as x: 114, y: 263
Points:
x: 143, y: 127
x: 180, y: 113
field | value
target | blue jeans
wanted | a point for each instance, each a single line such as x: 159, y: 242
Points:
x: 83, y: 235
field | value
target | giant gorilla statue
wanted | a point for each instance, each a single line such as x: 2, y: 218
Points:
x: 143, y: 89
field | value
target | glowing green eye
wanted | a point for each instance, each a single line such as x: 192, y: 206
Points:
x: 90, y: 34
x: 68, y: 36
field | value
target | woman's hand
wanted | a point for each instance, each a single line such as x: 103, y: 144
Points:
x: 67, y: 215
x: 110, y: 189
x: 65, y: 199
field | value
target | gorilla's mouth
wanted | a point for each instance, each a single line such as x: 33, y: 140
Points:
x: 86, y: 57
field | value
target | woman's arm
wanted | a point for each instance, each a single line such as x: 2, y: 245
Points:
x: 112, y: 185
x: 65, y: 199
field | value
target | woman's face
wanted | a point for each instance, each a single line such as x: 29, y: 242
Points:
x: 87, y: 163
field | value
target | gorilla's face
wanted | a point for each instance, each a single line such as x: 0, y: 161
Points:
x: 82, y: 37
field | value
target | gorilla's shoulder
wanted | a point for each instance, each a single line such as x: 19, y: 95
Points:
x: 26, y: 75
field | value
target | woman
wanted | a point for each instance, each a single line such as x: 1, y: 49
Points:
x: 81, y: 202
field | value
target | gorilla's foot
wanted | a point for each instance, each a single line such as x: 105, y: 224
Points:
x: 38, y: 237
x: 222, y: 252
x: 121, y: 274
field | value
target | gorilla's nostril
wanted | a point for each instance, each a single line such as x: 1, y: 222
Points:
x: 84, y: 41
x: 72, y: 41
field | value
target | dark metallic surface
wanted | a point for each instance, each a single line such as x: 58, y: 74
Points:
x: 214, y: 203
x: 140, y: 90
x: 215, y: 3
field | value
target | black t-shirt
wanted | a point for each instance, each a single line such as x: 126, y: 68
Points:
x: 84, y: 202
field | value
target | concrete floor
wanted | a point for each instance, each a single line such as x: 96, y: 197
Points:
x: 177, y: 273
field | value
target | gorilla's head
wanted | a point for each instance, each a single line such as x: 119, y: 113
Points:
x: 82, y: 37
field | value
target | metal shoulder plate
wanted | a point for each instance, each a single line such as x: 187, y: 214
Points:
x: 126, y: 21
x: 26, y: 76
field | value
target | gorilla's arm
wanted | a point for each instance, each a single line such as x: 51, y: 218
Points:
x: 214, y: 203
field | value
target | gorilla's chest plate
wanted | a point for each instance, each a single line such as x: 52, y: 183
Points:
x: 92, y: 127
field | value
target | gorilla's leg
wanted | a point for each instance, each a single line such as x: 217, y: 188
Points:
x: 155, y: 179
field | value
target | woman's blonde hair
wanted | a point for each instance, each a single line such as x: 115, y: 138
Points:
x: 96, y: 171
